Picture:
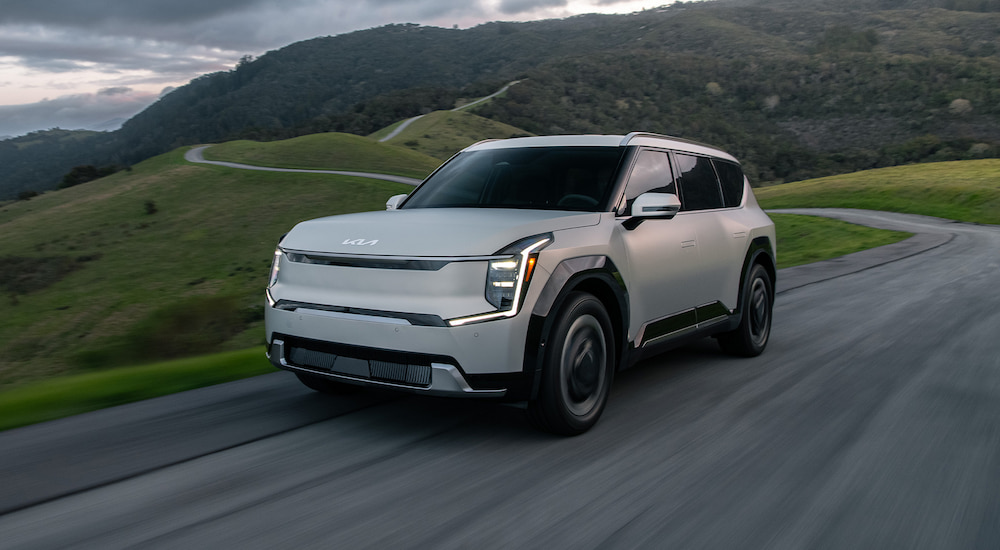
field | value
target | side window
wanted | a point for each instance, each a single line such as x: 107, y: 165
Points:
x: 651, y: 172
x: 699, y: 186
x: 731, y: 177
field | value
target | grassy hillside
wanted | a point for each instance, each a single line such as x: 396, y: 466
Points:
x: 441, y: 134
x: 329, y: 151
x: 167, y: 259
x: 966, y: 191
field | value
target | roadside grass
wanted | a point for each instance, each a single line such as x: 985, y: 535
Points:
x: 441, y: 134
x: 330, y: 151
x: 114, y: 263
x: 966, y: 191
x: 69, y: 395
x: 808, y: 239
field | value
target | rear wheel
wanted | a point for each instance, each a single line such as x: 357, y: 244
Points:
x: 578, y: 368
x: 325, y: 385
x: 751, y: 336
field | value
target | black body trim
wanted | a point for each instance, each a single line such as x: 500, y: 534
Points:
x: 364, y: 352
x: 417, y: 319
x: 761, y: 246
x: 370, y: 263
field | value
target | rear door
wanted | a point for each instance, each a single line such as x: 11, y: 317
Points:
x: 662, y: 255
x: 721, y: 238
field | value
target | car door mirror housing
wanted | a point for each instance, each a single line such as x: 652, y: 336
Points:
x: 656, y: 205
x: 394, y: 202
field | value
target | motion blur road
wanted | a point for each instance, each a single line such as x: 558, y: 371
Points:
x: 872, y: 421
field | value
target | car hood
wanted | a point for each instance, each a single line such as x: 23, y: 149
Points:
x: 429, y: 232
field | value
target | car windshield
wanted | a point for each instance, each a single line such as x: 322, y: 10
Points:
x: 545, y: 178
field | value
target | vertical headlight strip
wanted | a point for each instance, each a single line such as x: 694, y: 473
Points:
x: 272, y: 278
x: 507, y: 279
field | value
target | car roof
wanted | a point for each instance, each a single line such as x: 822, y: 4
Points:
x: 594, y: 140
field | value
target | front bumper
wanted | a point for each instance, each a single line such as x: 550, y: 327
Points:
x: 434, y: 379
x: 476, y: 360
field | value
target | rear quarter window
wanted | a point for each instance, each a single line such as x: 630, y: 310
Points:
x: 731, y: 178
x: 698, y: 183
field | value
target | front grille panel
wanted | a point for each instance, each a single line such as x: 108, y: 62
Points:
x: 384, y: 371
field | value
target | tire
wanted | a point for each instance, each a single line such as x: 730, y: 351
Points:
x: 750, y: 338
x: 326, y: 386
x: 578, y: 368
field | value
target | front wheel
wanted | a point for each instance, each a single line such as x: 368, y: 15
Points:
x: 577, y: 370
x: 750, y: 338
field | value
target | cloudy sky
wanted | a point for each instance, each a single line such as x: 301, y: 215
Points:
x: 93, y: 63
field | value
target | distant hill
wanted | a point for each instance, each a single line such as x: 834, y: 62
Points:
x: 39, y: 160
x: 795, y: 88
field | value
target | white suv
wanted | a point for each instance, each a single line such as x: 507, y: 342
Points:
x: 529, y: 269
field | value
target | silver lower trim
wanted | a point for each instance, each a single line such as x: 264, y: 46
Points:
x: 446, y: 380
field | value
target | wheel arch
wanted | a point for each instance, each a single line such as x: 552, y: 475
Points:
x: 595, y: 275
x: 760, y: 252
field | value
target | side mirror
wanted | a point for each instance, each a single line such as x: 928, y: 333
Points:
x: 656, y: 205
x: 394, y: 201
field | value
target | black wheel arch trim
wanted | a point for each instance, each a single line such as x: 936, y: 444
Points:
x: 761, y: 251
x: 596, y: 275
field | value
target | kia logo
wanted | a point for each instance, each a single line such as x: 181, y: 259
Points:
x: 361, y: 242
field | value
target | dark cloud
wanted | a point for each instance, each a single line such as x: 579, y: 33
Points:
x: 513, y: 7
x: 77, y: 13
x: 61, y: 52
x: 118, y: 90
x: 105, y: 110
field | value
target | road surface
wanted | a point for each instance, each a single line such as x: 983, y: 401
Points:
x: 872, y: 421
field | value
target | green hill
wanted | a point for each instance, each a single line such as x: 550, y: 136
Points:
x: 965, y: 191
x: 441, y: 134
x: 328, y: 151
x: 167, y: 259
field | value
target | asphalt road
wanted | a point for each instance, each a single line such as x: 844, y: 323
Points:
x: 872, y: 421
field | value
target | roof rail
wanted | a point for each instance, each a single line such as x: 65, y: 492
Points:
x: 633, y: 135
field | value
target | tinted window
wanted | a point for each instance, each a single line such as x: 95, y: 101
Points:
x: 548, y: 178
x: 651, y: 172
x: 699, y: 186
x: 731, y: 178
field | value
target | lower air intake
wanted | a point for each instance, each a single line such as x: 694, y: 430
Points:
x: 383, y: 371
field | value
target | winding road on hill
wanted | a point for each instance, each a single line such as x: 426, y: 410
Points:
x: 406, y: 123
x: 197, y: 155
x: 872, y: 421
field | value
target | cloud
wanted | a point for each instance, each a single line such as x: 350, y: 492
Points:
x: 58, y: 50
x: 75, y: 13
x: 104, y: 110
x: 514, y: 7
x: 119, y: 90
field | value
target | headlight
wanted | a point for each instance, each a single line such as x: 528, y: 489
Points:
x: 507, y: 278
x: 272, y: 278
x: 275, y: 267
